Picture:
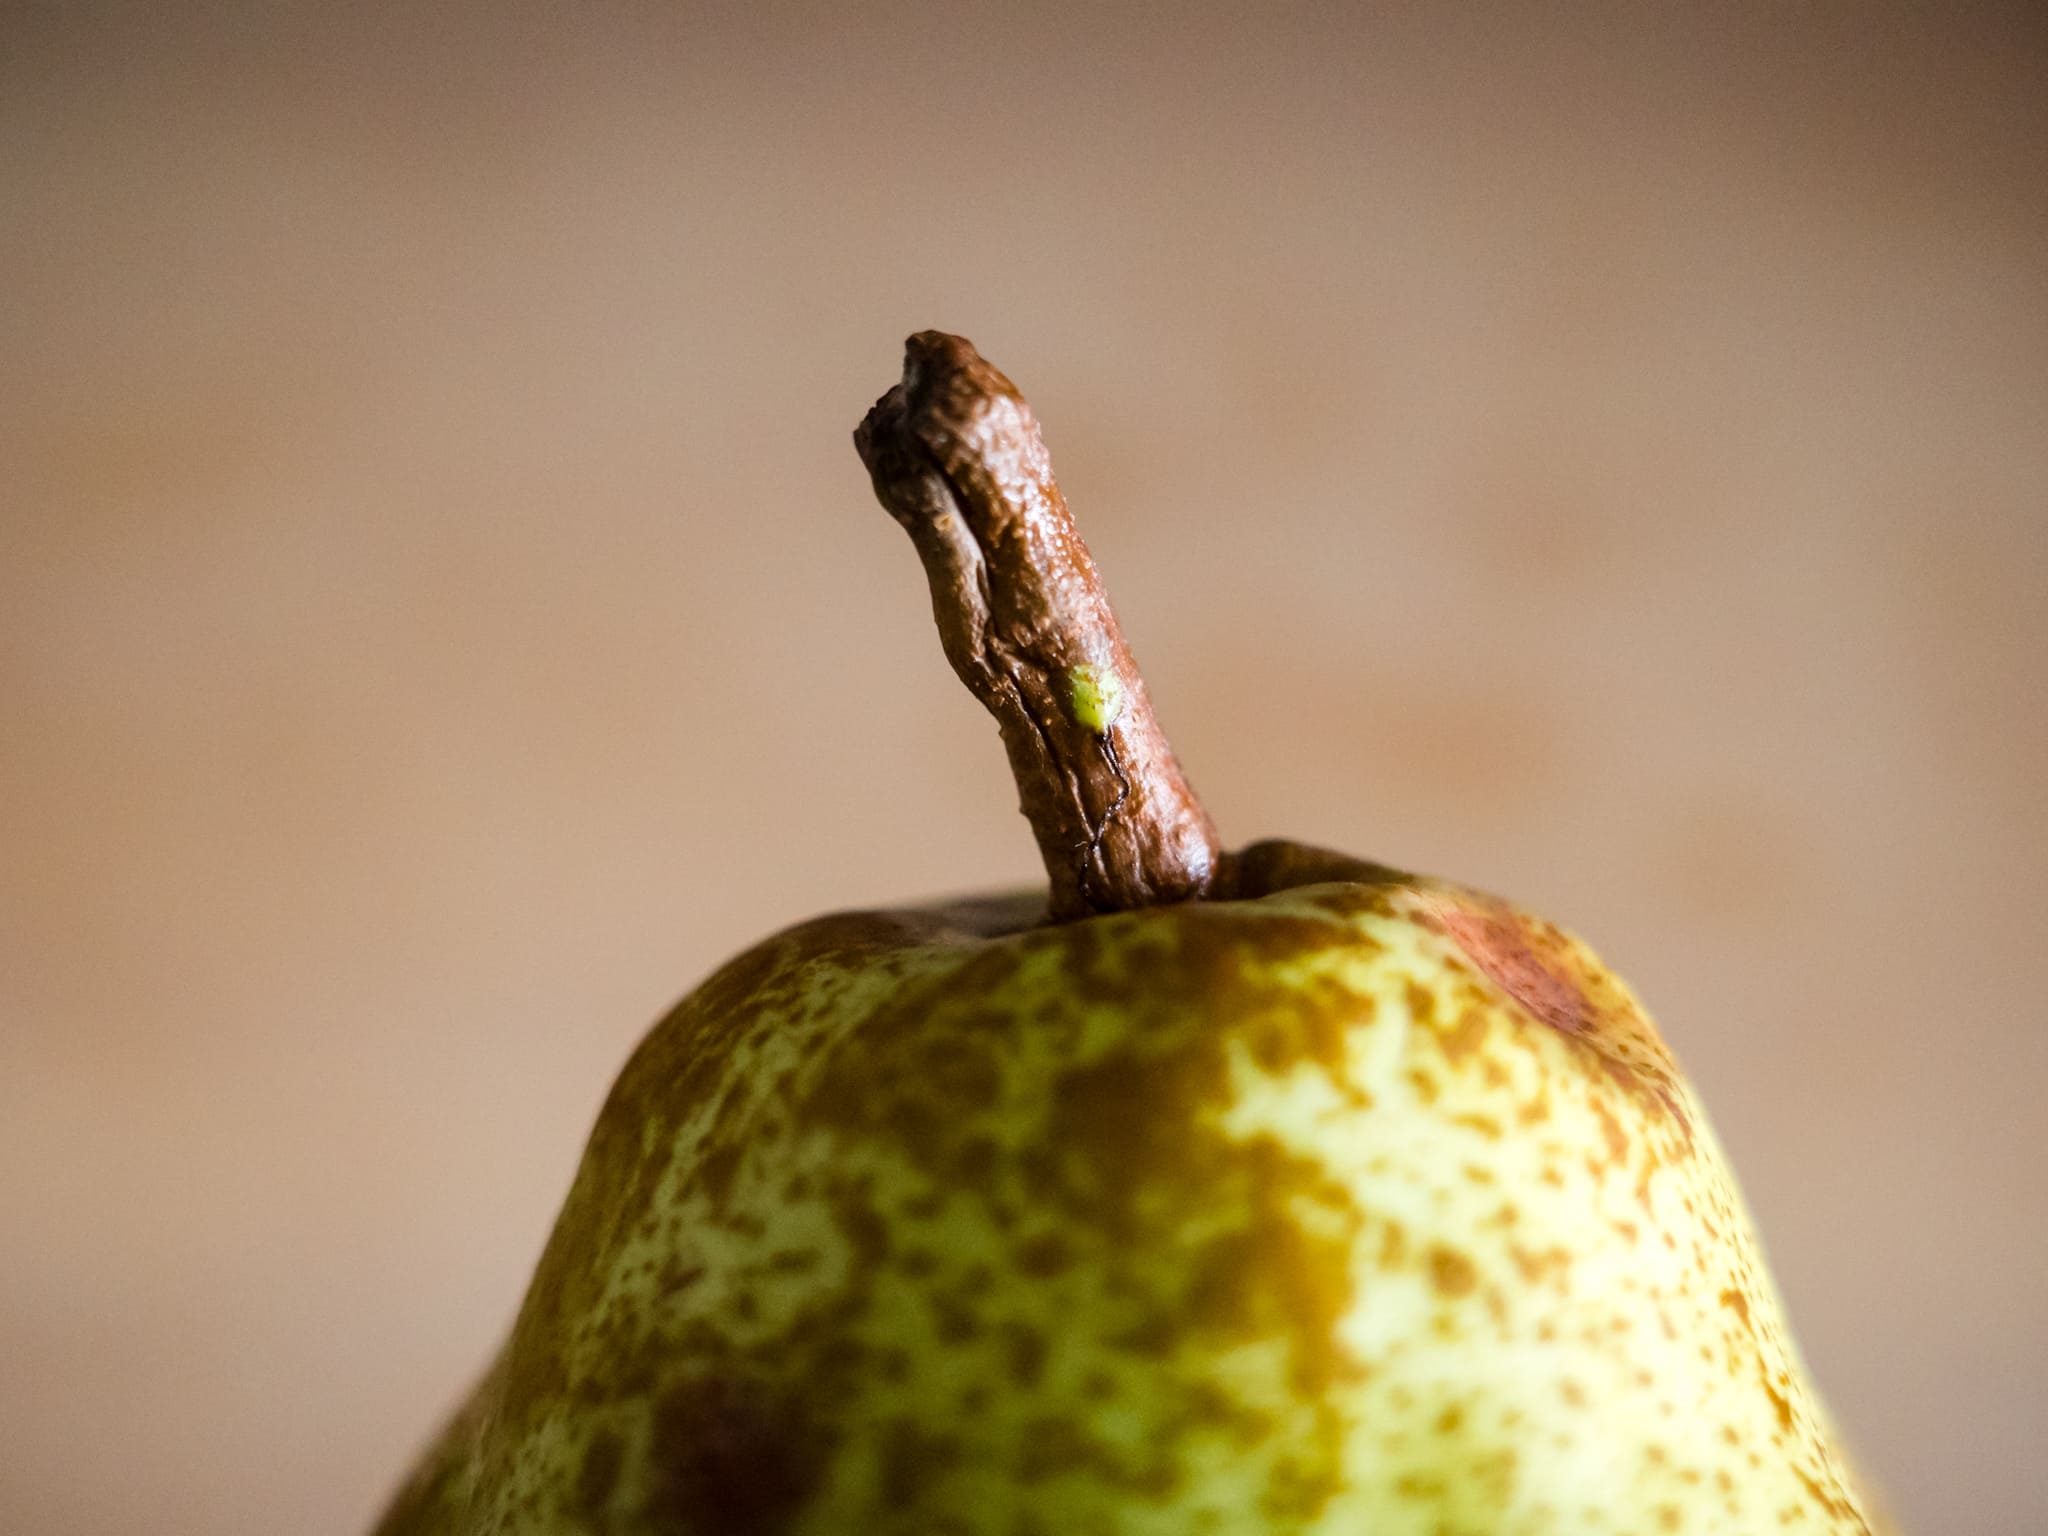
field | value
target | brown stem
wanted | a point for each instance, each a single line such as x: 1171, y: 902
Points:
x: 957, y: 460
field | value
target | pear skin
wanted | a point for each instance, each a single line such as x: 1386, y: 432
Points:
x: 1366, y: 1205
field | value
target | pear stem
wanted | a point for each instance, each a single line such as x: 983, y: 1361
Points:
x: 957, y: 459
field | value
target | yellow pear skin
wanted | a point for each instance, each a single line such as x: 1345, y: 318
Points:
x: 1367, y: 1207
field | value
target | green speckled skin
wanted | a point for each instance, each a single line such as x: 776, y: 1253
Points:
x: 1365, y: 1206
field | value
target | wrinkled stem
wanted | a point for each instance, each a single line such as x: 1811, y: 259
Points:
x: 957, y: 460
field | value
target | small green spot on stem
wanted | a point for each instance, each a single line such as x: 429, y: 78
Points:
x: 1095, y: 696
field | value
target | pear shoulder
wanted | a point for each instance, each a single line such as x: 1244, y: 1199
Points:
x: 1357, y: 1201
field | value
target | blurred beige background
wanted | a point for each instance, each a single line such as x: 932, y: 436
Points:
x: 441, y: 615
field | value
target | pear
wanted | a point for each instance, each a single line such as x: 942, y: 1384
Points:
x: 1262, y: 1192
